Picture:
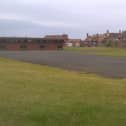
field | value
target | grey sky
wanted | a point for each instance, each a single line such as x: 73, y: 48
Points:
x: 75, y: 17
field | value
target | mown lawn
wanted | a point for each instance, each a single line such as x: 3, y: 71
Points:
x: 99, y: 51
x: 35, y: 95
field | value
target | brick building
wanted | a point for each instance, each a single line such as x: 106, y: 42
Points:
x: 94, y: 40
x: 21, y: 43
x: 107, y: 39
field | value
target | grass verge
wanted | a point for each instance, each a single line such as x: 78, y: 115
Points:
x: 35, y: 95
x: 99, y: 51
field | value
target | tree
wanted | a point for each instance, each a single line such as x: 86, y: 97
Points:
x: 108, y: 43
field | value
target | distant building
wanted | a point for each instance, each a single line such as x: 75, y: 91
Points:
x: 94, y: 40
x: 106, y: 39
x: 73, y: 43
x: 22, y: 43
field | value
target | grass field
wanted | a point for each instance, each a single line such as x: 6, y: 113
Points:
x: 35, y: 95
x: 99, y: 51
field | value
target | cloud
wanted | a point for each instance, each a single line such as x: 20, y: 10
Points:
x: 23, y: 28
x: 76, y: 17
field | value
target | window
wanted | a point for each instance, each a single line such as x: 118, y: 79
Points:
x: 25, y: 40
x: 23, y: 47
x: 42, y: 46
x: 59, y: 47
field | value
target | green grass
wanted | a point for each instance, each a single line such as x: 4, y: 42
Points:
x: 34, y: 95
x: 99, y: 51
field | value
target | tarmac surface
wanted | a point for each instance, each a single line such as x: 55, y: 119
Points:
x: 101, y: 65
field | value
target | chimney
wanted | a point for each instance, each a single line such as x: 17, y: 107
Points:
x: 87, y: 35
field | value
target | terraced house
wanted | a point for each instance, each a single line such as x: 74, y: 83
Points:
x: 108, y: 39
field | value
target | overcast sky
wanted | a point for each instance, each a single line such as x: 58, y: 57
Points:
x: 73, y: 17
